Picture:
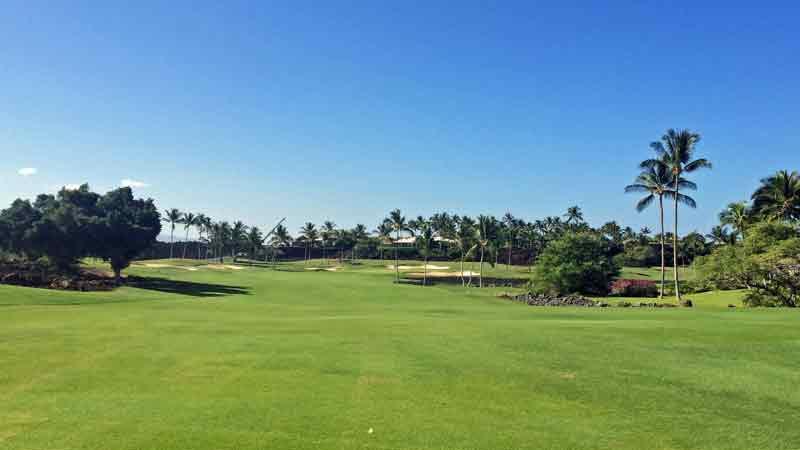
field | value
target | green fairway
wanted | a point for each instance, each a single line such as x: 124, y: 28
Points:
x: 284, y: 357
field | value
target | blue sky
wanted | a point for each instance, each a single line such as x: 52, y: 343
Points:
x: 343, y: 111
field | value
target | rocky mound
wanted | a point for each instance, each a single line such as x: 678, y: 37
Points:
x: 553, y: 300
x: 31, y: 276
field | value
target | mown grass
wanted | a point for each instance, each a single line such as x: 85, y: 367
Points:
x: 289, y: 358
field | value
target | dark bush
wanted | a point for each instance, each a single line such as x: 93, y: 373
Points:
x: 575, y: 263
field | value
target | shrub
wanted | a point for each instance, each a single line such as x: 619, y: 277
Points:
x: 766, y: 263
x: 634, y: 288
x: 576, y: 262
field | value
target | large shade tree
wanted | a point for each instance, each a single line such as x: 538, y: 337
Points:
x: 126, y: 227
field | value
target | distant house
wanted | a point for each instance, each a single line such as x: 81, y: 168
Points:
x: 410, y: 241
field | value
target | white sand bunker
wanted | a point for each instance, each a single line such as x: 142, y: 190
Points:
x: 327, y: 269
x: 429, y: 266
x: 167, y: 266
x: 223, y: 267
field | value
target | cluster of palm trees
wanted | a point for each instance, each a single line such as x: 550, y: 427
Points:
x: 328, y: 237
x: 218, y: 239
x: 663, y: 177
x: 776, y: 199
x: 480, y: 238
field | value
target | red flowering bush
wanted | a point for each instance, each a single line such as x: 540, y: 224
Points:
x: 634, y: 288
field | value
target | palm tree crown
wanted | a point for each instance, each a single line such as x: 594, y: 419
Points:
x: 779, y: 196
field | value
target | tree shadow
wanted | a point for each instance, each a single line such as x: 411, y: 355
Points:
x: 189, y: 288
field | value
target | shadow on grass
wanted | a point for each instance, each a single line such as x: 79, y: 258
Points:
x: 189, y: 288
x: 456, y: 279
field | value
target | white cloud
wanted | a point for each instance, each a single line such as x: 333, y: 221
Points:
x: 133, y: 183
x: 28, y: 171
x: 72, y: 187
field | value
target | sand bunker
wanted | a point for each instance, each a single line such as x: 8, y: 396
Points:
x: 223, y: 267
x: 167, y: 266
x: 429, y: 266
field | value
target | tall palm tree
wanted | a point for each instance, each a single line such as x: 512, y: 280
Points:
x: 359, y: 234
x: 384, y: 232
x: 255, y: 239
x: 737, y: 215
x: 173, y: 217
x: 487, y: 235
x: 425, y: 245
x: 465, y: 240
x: 574, y: 215
x: 238, y: 235
x: 189, y: 220
x: 778, y: 197
x: 309, y: 234
x: 656, y: 181
x: 328, y: 237
x: 399, y: 225
x: 676, y: 151
x: 510, y: 234
x: 200, y: 224
x: 720, y: 236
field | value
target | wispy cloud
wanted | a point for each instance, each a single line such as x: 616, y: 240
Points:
x: 28, y: 171
x: 133, y: 183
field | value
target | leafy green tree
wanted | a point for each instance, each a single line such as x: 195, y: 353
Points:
x: 126, y: 227
x: 766, y: 263
x: 778, y: 197
x: 576, y: 262
x: 189, y: 220
x: 676, y: 152
x: 173, y: 217
x: 15, y: 221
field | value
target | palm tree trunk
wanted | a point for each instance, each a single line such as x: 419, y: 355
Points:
x: 185, y: 243
x: 462, y: 268
x: 663, y: 256
x: 396, y: 259
x: 171, y: 241
x: 425, y: 272
x: 508, y: 266
x: 675, y: 243
x: 481, y: 270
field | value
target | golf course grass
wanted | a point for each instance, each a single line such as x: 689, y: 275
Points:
x: 289, y: 358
